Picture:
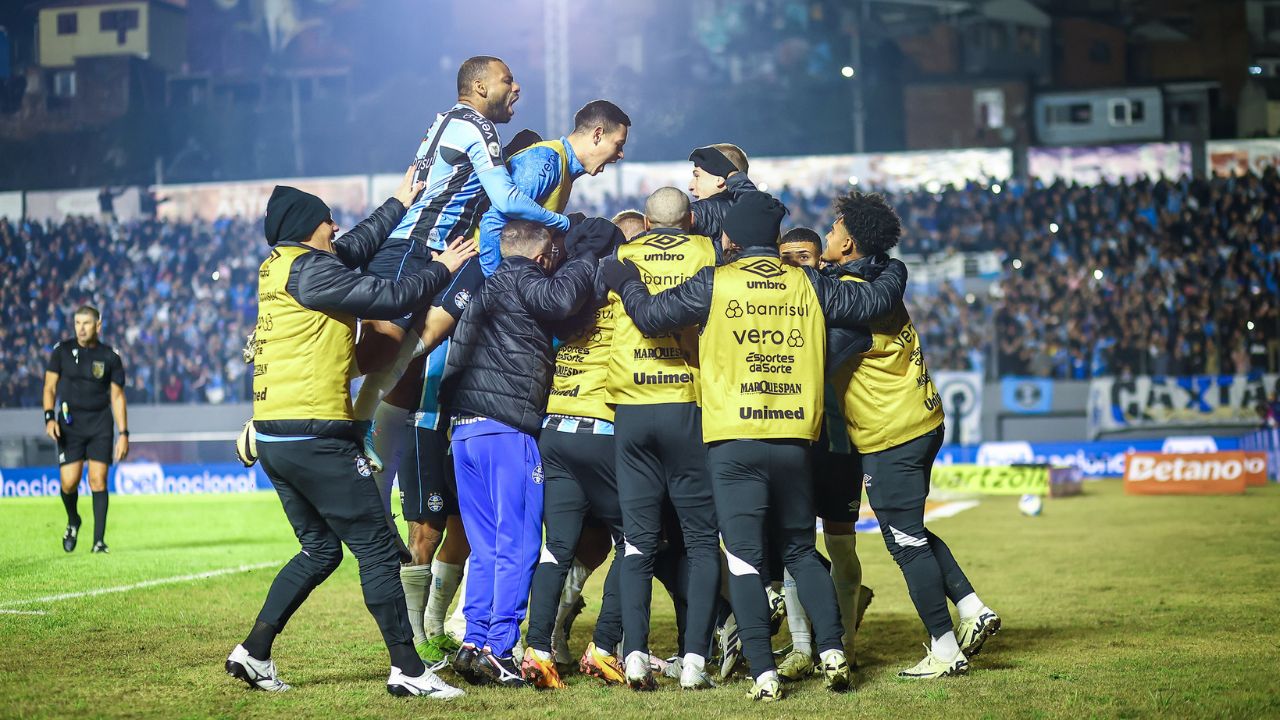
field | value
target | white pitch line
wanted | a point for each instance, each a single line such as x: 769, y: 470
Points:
x: 140, y: 585
x: 22, y: 612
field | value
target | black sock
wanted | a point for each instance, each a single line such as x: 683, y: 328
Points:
x: 69, y: 502
x: 99, y: 515
x: 260, y: 639
x: 406, y: 658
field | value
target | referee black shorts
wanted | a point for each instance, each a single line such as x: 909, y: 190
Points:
x: 74, y: 447
x: 428, y: 489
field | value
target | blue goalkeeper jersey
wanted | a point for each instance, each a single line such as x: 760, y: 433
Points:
x: 461, y: 161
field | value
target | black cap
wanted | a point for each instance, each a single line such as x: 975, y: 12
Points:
x: 753, y: 220
x: 293, y: 215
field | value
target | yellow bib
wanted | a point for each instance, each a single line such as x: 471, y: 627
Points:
x: 664, y: 369
x: 303, y: 356
x: 582, y: 365
x: 762, y: 354
x: 886, y: 393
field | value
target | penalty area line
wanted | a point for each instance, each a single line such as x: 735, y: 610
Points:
x: 135, y: 586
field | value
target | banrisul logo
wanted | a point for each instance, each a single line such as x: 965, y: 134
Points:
x: 767, y: 269
x: 665, y: 244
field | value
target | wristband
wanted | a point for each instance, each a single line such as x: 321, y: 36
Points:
x: 124, y: 433
x: 50, y: 416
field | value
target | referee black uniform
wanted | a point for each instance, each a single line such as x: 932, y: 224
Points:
x: 82, y: 410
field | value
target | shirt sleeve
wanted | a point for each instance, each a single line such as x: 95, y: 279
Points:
x: 55, y: 360
x: 117, y: 369
x: 535, y: 173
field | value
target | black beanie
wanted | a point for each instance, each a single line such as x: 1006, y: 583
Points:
x: 753, y: 220
x: 293, y: 215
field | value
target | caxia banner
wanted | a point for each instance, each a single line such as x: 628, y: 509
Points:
x: 992, y: 480
x: 1222, y: 473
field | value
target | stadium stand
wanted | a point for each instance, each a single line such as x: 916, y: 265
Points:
x: 1152, y: 277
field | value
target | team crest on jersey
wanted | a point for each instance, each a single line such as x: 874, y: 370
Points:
x: 363, y: 467
x: 99, y: 369
x: 495, y: 149
x: 537, y: 474
x: 435, y: 503
x: 462, y: 298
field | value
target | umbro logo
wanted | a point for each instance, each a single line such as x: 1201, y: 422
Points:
x: 765, y: 268
x: 666, y: 242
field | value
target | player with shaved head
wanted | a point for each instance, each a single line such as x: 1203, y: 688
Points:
x: 653, y: 383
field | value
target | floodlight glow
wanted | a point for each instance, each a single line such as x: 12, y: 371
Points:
x: 1097, y: 274
x: 1017, y: 264
x: 846, y: 71
x: 995, y: 188
x: 853, y: 179
x: 1053, y: 227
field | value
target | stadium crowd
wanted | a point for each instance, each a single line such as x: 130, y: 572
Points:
x: 1153, y: 277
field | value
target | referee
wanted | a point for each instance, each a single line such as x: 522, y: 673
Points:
x: 83, y: 379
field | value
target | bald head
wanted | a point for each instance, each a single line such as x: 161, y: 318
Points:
x: 667, y: 207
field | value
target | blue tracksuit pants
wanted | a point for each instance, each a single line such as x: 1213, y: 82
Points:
x: 499, y: 474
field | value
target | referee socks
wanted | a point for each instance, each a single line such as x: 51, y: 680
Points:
x: 69, y: 501
x: 99, y: 515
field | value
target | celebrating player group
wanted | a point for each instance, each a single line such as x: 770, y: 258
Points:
x: 683, y: 385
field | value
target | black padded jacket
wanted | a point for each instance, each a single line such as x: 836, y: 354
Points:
x: 501, y: 361
x: 332, y: 283
x: 708, y: 213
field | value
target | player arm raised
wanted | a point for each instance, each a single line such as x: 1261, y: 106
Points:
x: 684, y: 305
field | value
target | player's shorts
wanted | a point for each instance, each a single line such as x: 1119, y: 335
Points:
x: 396, y: 258
x: 428, y: 490
x: 837, y: 484
x: 76, y: 447
x: 464, y: 285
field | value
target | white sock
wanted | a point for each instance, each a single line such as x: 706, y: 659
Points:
x: 694, y: 660
x: 970, y: 606
x: 846, y: 574
x: 378, y: 383
x: 416, y: 580
x: 945, y: 647
x: 767, y: 675
x: 444, y: 586
x: 797, y: 618
x: 573, y: 582
x: 456, y: 625
x: 391, y: 429
x: 541, y: 654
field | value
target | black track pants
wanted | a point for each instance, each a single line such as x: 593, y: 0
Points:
x: 897, y: 482
x: 579, y: 479
x: 764, y: 497
x: 660, y: 455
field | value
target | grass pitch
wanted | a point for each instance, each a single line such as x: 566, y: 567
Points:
x: 1113, y: 606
